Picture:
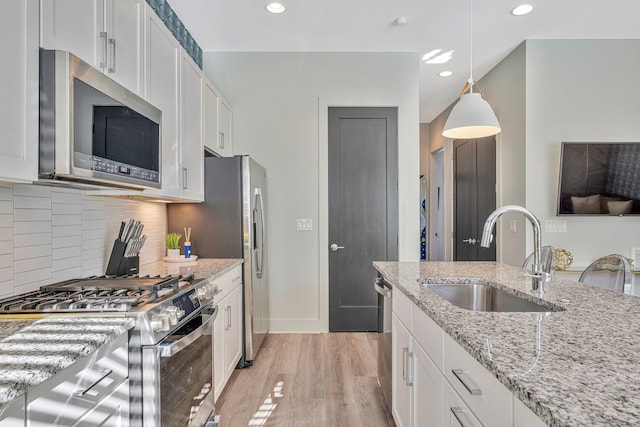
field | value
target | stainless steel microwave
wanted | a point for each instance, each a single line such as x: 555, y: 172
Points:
x: 93, y: 130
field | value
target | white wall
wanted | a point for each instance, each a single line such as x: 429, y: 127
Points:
x: 280, y: 105
x: 581, y: 91
x: 504, y: 87
x: 48, y: 234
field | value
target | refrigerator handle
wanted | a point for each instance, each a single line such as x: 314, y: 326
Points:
x: 260, y: 263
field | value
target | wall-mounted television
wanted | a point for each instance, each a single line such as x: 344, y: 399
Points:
x: 598, y: 178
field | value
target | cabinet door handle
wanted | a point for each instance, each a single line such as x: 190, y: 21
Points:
x: 409, y: 380
x: 228, y: 310
x: 405, y: 350
x: 184, y: 178
x: 459, y: 374
x: 221, y: 143
x: 103, y: 35
x: 459, y: 415
x: 112, y: 50
x: 104, y: 374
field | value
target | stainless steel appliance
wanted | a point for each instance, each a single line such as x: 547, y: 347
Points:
x: 170, y: 347
x: 231, y: 224
x: 92, y: 129
x: 385, y: 342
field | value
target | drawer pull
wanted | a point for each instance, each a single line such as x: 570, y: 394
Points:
x: 105, y: 373
x: 459, y: 373
x: 458, y: 414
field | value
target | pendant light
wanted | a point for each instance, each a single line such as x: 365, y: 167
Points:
x: 472, y: 116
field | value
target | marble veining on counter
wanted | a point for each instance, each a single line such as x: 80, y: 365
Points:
x: 573, y: 367
x: 44, y: 347
x: 203, y: 268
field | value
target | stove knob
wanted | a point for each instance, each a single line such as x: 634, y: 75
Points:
x: 202, y: 292
x: 160, y: 323
x: 172, y: 313
x: 180, y: 314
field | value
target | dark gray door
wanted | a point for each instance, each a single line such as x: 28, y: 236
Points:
x: 474, y: 196
x: 363, y: 217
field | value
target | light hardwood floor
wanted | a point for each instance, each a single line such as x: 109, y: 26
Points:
x: 308, y: 380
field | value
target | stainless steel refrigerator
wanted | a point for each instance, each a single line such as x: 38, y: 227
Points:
x: 231, y: 224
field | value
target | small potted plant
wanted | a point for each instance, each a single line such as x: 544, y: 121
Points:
x: 173, y: 245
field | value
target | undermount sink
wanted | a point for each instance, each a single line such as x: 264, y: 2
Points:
x: 482, y: 297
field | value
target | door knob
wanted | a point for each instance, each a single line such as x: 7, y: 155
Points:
x: 470, y: 241
x: 335, y: 247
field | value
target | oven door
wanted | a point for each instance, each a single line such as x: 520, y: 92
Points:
x: 178, y: 375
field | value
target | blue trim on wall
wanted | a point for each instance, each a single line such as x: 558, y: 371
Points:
x: 177, y: 28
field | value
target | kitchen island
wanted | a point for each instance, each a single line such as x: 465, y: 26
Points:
x: 575, y: 366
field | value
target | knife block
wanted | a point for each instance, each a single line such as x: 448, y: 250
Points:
x: 120, y: 265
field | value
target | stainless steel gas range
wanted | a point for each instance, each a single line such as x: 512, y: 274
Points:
x: 170, y: 347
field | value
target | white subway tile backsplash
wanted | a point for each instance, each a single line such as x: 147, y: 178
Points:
x: 6, y: 207
x: 69, y: 252
x: 31, y: 277
x: 31, y: 264
x: 74, y: 263
x: 6, y: 261
x: 32, y: 215
x: 20, y: 240
x: 24, y: 202
x: 57, y: 220
x: 28, y: 252
x: 41, y: 191
x: 33, y: 227
x: 71, y: 273
x: 66, y: 231
x: 65, y: 243
x: 6, y: 248
x: 48, y: 234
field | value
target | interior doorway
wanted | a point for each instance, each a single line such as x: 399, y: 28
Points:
x: 474, y: 198
x: 363, y: 215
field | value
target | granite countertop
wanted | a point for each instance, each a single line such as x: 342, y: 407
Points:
x: 585, y: 369
x: 202, y: 268
x: 42, y: 348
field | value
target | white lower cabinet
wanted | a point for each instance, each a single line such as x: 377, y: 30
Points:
x: 438, y: 383
x: 417, y: 382
x: 92, y: 391
x: 227, y: 329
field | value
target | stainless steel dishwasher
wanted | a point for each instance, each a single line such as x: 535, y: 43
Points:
x: 385, y: 300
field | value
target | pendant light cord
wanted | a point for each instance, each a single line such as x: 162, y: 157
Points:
x: 471, y: 46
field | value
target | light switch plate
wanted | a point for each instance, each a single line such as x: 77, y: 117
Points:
x: 304, y: 224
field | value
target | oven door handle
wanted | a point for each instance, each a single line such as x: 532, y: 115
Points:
x: 169, y: 349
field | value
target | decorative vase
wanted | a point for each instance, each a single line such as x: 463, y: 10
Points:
x: 173, y: 253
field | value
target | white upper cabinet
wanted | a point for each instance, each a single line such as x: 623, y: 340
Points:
x: 191, y: 117
x: 162, y: 65
x: 105, y: 33
x: 19, y: 91
x: 211, y: 125
x: 217, y: 121
x: 225, y: 142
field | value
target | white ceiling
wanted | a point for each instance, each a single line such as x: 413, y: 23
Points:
x: 368, y: 26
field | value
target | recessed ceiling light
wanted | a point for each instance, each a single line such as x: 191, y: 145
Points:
x: 275, y: 7
x: 523, y: 9
x: 445, y: 73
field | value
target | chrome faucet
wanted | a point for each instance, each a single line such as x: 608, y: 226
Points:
x: 538, y: 276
